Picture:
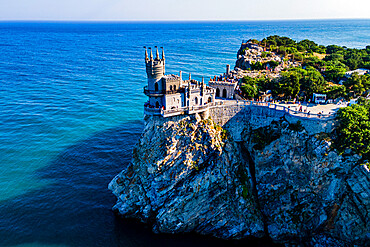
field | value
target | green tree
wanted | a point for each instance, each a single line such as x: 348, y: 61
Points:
x: 272, y: 64
x: 314, y: 62
x: 249, y: 87
x: 313, y: 82
x: 289, y: 84
x: 257, y: 66
x: 353, y: 129
x: 336, y: 91
x: 357, y: 84
x: 333, y: 49
x: 334, y: 71
x: 264, y: 84
x: 335, y: 57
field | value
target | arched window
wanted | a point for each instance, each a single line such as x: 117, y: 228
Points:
x: 174, y: 87
x: 196, y: 100
x: 217, y: 92
x: 171, y: 87
x: 209, y: 99
x: 224, y: 93
x: 201, y: 101
x: 157, y: 104
x: 156, y: 86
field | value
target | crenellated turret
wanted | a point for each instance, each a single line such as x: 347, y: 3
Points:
x: 146, y: 54
x: 155, y: 68
x: 163, y: 58
x: 151, y: 53
x: 157, y: 53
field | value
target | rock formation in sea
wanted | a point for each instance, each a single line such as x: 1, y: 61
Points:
x: 256, y: 176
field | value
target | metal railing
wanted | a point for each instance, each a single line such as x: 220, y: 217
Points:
x: 281, y: 108
x: 152, y: 111
x: 242, y: 103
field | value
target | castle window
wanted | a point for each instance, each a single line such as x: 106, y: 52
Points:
x: 174, y: 87
x: 170, y: 87
x: 217, y: 92
x: 209, y: 99
x: 224, y: 93
x: 156, y: 86
x: 157, y: 104
x: 196, y: 100
x: 201, y: 101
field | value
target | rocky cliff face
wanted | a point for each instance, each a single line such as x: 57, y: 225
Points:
x: 307, y: 192
x: 189, y: 175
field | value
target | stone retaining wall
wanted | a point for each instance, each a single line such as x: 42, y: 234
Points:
x: 235, y: 117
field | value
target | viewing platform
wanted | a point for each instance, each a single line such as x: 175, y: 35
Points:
x: 312, y: 112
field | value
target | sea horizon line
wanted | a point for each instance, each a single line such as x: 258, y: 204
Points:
x: 175, y: 21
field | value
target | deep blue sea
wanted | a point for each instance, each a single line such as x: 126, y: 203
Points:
x: 71, y: 109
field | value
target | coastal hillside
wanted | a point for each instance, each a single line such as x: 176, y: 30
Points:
x: 239, y: 169
x: 289, y: 69
x: 278, y: 181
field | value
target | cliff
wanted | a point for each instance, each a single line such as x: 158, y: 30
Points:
x: 264, y: 177
x: 249, y: 54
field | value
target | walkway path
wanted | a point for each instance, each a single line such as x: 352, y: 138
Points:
x: 313, y: 111
x: 324, y: 112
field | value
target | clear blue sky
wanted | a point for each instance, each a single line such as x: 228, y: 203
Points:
x: 182, y: 9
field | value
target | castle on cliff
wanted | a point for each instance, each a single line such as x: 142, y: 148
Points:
x: 170, y: 95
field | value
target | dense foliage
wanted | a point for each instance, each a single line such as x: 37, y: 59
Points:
x: 321, y: 71
x: 350, y: 58
x: 249, y: 87
x: 357, y: 85
x: 300, y: 81
x: 353, y: 131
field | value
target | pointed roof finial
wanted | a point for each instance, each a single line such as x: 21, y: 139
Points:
x: 146, y: 53
x: 157, y: 53
x: 189, y: 76
x: 151, y: 53
x: 162, y: 53
x: 202, y: 80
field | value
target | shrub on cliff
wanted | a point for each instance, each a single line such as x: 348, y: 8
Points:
x: 357, y: 84
x: 289, y: 84
x: 353, y: 130
x: 249, y: 87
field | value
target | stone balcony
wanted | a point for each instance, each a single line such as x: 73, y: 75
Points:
x: 160, y: 93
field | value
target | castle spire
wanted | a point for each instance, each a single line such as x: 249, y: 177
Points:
x: 146, y: 54
x: 151, y: 53
x: 157, y: 53
x: 162, y: 53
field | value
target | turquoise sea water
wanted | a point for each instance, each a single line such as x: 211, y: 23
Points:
x: 71, y: 108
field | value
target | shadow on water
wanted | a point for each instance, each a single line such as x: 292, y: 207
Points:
x: 75, y: 210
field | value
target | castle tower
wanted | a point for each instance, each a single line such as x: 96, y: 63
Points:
x: 155, y: 69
